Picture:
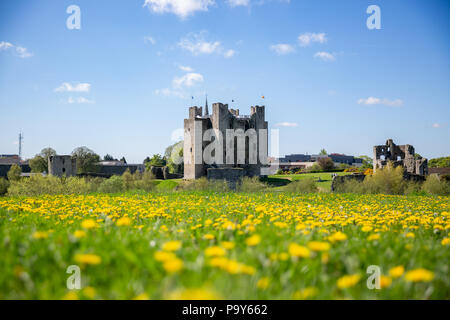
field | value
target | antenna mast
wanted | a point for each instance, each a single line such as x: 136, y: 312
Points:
x: 20, y: 145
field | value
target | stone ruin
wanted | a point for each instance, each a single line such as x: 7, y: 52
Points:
x: 415, y: 167
x: 403, y: 155
x: 62, y: 166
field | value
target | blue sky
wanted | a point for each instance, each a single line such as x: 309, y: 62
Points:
x: 122, y: 83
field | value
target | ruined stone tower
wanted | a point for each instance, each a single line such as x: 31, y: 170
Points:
x: 403, y: 155
x: 62, y: 166
x: 228, y: 153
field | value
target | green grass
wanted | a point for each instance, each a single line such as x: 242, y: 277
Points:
x: 38, y: 243
x: 324, y: 184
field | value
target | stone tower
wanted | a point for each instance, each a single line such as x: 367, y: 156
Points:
x: 62, y: 166
x: 246, y: 150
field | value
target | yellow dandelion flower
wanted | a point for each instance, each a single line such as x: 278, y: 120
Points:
x: 162, y: 256
x: 305, y: 294
x: 348, y: 281
x: 89, y: 292
x: 227, y: 244
x: 79, y: 234
x: 385, y: 281
x: 397, y: 272
x: 410, y: 235
x: 88, y: 259
x: 373, y: 237
x: 40, y: 235
x: 142, y: 296
x: 124, y: 221
x: 89, y: 224
x: 263, y: 283
x: 173, y: 265
x: 194, y: 294
x: 208, y: 236
x: 215, y: 251
x: 171, y: 246
x: 445, y: 241
x: 71, y: 295
x: 419, y: 275
x: 338, y: 236
x: 319, y: 246
x: 253, y: 240
x: 296, y: 250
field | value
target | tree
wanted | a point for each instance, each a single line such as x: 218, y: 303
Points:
x: 174, y: 156
x: 323, y: 152
x: 109, y: 157
x: 367, y: 162
x: 326, y: 164
x: 157, y: 161
x: 38, y: 164
x: 86, y: 159
x: 124, y: 160
x: 40, y: 161
x: 443, y: 162
x: 47, y: 153
x: 14, y: 173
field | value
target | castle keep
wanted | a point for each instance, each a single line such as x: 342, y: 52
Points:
x: 236, y: 143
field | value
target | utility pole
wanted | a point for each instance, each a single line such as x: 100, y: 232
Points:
x: 20, y: 145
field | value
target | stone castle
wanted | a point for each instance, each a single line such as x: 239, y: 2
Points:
x: 403, y: 155
x: 221, y: 121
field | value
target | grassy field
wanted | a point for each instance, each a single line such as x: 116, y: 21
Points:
x: 323, y: 179
x: 224, y: 246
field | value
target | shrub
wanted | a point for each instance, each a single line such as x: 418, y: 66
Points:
x: 326, y: 164
x: 145, y: 181
x: 351, y: 186
x: 114, y: 184
x: 306, y: 185
x: 436, y: 186
x: 36, y: 185
x: 253, y: 184
x: 203, y: 184
x: 387, y: 180
x: 4, y: 184
x: 14, y: 173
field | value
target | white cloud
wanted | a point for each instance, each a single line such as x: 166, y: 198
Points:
x: 5, y: 45
x: 436, y: 125
x: 186, y: 68
x: 167, y: 92
x: 196, y: 44
x: 308, y: 38
x: 236, y: 3
x: 181, y: 8
x: 378, y: 101
x: 325, y: 56
x: 282, y: 48
x: 229, y: 53
x: 149, y: 39
x: 79, y: 87
x: 287, y: 124
x: 188, y: 80
x: 19, y: 51
x: 80, y: 100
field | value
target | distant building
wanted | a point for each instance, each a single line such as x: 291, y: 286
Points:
x: 9, y: 159
x: 304, y: 161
